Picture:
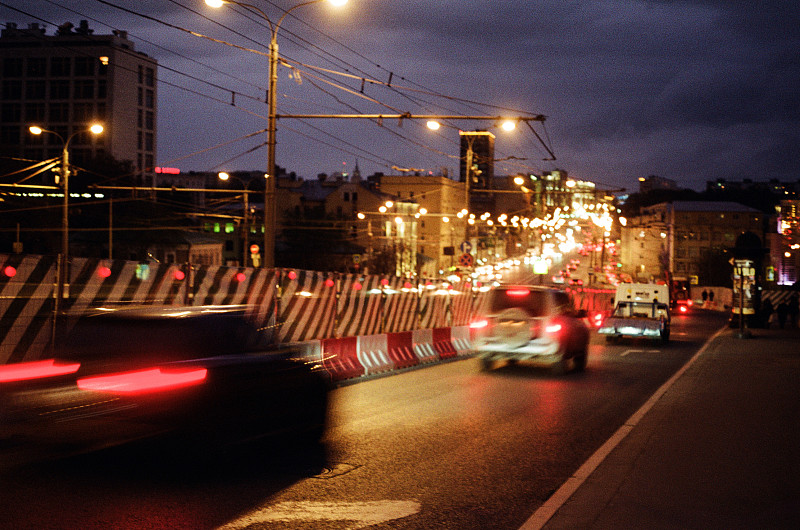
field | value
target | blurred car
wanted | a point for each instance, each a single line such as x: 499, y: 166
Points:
x: 125, y: 374
x: 575, y: 281
x: 531, y: 323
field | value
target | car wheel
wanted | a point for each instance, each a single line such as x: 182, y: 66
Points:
x: 486, y: 364
x: 560, y: 367
x: 611, y: 339
x: 665, y: 335
x: 579, y: 361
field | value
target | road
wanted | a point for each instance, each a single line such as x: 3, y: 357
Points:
x: 446, y: 446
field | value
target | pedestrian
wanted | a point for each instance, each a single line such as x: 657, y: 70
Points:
x: 793, y: 310
x: 704, y: 296
x: 783, y: 312
x: 710, y: 296
x: 767, y: 310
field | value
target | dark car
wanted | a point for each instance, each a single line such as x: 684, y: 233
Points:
x: 531, y: 323
x: 124, y: 374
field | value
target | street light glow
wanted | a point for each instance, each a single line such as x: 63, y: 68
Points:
x: 96, y: 128
x: 433, y: 125
x: 508, y: 125
x: 35, y: 130
x: 223, y: 176
x: 214, y: 3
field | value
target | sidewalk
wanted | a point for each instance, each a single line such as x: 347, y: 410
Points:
x: 720, y: 449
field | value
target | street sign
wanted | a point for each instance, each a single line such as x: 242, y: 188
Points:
x: 466, y: 247
x: 356, y: 258
x: 465, y: 260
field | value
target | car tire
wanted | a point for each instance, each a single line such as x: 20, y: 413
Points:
x: 612, y: 339
x: 665, y: 335
x: 486, y: 364
x: 579, y: 361
x: 560, y: 367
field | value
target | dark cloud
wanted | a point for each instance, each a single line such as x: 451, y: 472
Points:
x: 692, y: 90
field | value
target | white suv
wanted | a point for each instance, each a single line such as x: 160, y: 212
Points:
x: 530, y: 323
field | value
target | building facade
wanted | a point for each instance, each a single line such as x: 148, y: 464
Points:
x: 64, y: 82
x: 677, y: 237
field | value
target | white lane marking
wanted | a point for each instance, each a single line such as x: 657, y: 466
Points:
x: 626, y: 352
x: 362, y: 514
x: 557, y: 500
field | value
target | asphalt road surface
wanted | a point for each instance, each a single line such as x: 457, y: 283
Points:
x: 445, y: 446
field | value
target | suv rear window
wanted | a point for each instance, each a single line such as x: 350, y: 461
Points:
x: 534, y: 302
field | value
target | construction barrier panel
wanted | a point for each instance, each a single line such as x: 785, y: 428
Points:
x: 340, y: 358
x: 442, y: 343
x: 401, y: 349
x: 461, y: 339
x: 422, y: 342
x: 373, y: 354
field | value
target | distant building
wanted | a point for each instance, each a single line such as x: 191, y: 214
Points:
x: 66, y: 81
x: 779, y: 189
x: 676, y: 236
x: 784, y: 244
x: 654, y: 182
x: 438, y: 229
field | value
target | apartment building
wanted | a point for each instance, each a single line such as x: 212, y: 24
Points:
x: 66, y: 80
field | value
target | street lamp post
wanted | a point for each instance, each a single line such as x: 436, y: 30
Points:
x: 270, y: 208
x: 64, y: 175
x: 245, y: 214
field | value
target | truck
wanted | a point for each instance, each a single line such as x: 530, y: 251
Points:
x: 640, y: 310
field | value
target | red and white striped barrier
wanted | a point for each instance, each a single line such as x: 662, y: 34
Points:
x: 352, y: 357
x: 422, y: 342
x: 373, y: 354
x: 461, y: 339
x: 401, y: 349
x: 442, y: 343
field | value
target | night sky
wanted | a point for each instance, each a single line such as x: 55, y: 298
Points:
x: 687, y: 90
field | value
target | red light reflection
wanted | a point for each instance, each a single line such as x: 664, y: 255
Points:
x: 141, y: 381
x: 35, y: 370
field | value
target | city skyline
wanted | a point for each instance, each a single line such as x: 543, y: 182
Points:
x: 690, y: 91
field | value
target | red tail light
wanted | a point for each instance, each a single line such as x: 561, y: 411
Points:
x: 35, y: 370
x: 518, y: 292
x: 143, y: 381
x: 683, y: 309
x: 598, y: 320
x: 478, y: 324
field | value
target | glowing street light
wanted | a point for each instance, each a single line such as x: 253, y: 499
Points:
x: 64, y: 173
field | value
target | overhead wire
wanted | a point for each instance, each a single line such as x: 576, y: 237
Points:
x: 283, y: 58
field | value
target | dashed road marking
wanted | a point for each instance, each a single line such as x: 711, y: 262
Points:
x: 358, y: 514
x: 626, y: 352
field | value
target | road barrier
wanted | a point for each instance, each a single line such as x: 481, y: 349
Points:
x: 353, y: 357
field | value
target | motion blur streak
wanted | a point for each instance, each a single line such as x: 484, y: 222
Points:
x: 35, y: 370
x: 140, y: 381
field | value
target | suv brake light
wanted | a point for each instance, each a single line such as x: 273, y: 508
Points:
x: 143, y: 381
x: 35, y: 370
x: 518, y: 292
